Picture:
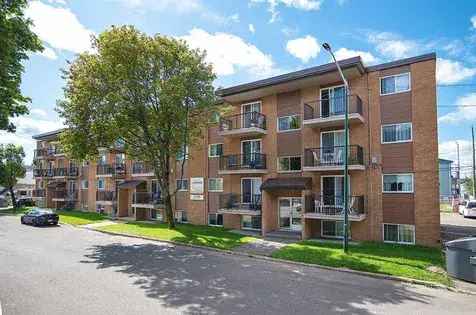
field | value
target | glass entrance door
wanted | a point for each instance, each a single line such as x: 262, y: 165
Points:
x: 290, y: 214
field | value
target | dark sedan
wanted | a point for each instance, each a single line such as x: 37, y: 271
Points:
x: 39, y: 217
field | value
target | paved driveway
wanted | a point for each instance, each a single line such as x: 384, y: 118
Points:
x: 454, y: 225
x: 67, y: 270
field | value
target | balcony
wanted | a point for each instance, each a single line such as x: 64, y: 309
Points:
x: 56, y: 151
x: 63, y: 172
x: 142, y: 169
x: 104, y: 195
x: 40, y: 153
x: 39, y: 193
x: 332, y: 207
x: 109, y: 170
x: 39, y: 172
x: 246, y: 204
x: 64, y: 195
x: 332, y: 158
x: 253, y: 163
x: 330, y: 112
x: 147, y: 200
x: 241, y: 125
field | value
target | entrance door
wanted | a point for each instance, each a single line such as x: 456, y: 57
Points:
x: 250, y: 119
x: 290, y: 214
x: 250, y: 191
x: 332, y: 144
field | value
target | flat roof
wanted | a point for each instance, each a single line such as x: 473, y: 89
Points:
x: 48, y: 135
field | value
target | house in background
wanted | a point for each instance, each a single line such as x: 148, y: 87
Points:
x: 446, y: 180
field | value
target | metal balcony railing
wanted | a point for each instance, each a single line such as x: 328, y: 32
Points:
x: 245, y: 120
x: 54, y: 151
x: 104, y: 195
x: 39, y: 172
x: 39, y: 153
x: 141, y: 168
x: 256, y: 161
x: 232, y: 201
x: 64, y: 194
x: 39, y: 193
x: 334, y: 106
x: 145, y: 197
x: 116, y: 169
x: 333, y: 205
x: 333, y: 156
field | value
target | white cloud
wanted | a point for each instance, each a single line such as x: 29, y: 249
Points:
x: 251, y: 28
x: 220, y: 19
x: 182, y: 6
x: 448, y: 150
x: 305, y: 5
x: 393, y: 46
x: 229, y: 53
x: 473, y: 21
x: 38, y: 112
x: 304, y: 48
x: 48, y: 53
x: 59, y: 27
x: 450, y: 71
x: 463, y: 111
x: 344, y: 53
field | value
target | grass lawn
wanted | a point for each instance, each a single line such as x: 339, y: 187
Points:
x: 184, y: 233
x: 18, y: 211
x: 392, y: 259
x: 445, y: 207
x: 79, y: 217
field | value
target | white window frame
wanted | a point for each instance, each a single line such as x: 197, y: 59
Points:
x: 216, y: 179
x: 289, y: 130
x: 210, y: 150
x: 398, y: 234
x: 216, y: 220
x: 251, y: 140
x: 399, y: 192
x: 241, y: 185
x: 333, y: 236
x: 250, y: 228
x: 398, y: 141
x: 104, y: 184
x: 327, y: 88
x: 185, y: 157
x: 183, y: 179
x: 288, y: 157
x: 176, y: 216
x: 84, y: 186
x: 396, y: 75
x: 250, y: 103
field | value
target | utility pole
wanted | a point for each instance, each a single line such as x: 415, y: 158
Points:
x: 474, y: 162
x: 327, y: 47
x: 458, y: 174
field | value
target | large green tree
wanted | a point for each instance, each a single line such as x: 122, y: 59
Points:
x: 11, y: 168
x: 16, y: 41
x: 153, y: 93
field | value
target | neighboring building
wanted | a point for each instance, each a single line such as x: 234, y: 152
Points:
x: 25, y: 186
x: 276, y: 163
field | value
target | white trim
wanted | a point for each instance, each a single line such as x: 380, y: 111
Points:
x: 396, y: 124
x: 251, y: 140
x: 242, y: 112
x: 241, y: 185
x: 215, y: 214
x: 248, y: 228
x: 398, y: 234
x: 288, y: 171
x: 399, y: 192
x: 330, y: 236
x: 290, y: 220
x: 249, y: 103
x: 209, y: 150
x: 330, y: 131
x: 320, y: 95
x: 97, y: 182
x: 395, y: 75
x: 215, y: 178
x: 288, y: 130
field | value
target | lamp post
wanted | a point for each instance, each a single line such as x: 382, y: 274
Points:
x: 328, y: 48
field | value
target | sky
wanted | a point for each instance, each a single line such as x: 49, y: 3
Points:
x: 248, y: 40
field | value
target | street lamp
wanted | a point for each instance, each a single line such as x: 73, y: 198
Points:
x: 328, y: 48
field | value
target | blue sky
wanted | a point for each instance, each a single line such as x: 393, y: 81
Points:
x: 251, y: 39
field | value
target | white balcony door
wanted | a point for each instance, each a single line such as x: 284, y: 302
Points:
x: 249, y: 148
x: 333, y: 101
x: 250, y: 190
x: 332, y: 189
x: 332, y: 143
x: 249, y: 117
x: 290, y: 213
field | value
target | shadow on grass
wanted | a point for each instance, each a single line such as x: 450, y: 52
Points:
x: 199, y: 282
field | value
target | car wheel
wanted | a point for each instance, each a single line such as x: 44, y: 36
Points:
x: 36, y: 222
x: 21, y: 220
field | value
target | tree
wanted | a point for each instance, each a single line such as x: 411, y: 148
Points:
x: 152, y: 93
x: 467, y: 183
x: 16, y: 41
x: 11, y: 168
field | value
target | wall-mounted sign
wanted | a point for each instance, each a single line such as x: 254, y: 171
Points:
x: 196, y: 197
x: 196, y: 185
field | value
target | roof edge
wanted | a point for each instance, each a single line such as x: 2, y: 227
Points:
x: 48, y: 134
x: 402, y: 62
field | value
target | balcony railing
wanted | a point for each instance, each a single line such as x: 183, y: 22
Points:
x: 64, y: 194
x: 104, y: 195
x: 39, y: 193
x: 237, y: 202
x: 39, y: 153
x: 333, y: 205
x: 251, y: 161
x: 39, y: 172
x: 242, y: 121
x: 54, y: 151
x: 116, y: 169
x: 147, y: 198
x: 141, y: 168
x: 333, y: 156
x: 334, y: 106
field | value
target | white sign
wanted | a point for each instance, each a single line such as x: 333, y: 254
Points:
x: 196, y: 185
x: 196, y: 197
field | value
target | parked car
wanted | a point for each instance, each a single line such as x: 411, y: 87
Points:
x: 39, y: 217
x: 462, y: 206
x: 470, y: 209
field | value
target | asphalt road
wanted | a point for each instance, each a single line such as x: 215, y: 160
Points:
x: 454, y: 225
x: 66, y: 270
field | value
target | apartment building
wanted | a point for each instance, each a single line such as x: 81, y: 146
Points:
x: 276, y: 163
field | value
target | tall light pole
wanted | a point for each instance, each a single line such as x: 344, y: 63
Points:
x: 328, y: 48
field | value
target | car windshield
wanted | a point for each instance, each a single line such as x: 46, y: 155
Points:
x: 471, y: 205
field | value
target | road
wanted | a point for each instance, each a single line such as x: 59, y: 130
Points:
x: 454, y: 225
x: 67, y: 270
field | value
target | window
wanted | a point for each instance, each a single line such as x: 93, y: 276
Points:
x: 251, y: 222
x: 181, y: 216
x: 215, y: 117
x: 215, y: 150
x: 100, y: 208
x: 287, y: 123
x: 183, y: 153
x: 333, y: 229
x: 84, y: 184
x: 182, y: 184
x: 398, y: 183
x: 215, y: 219
x: 289, y: 163
x: 102, y: 159
x: 215, y: 184
x: 101, y: 184
x: 399, y: 233
x: 397, y: 133
x: 395, y: 84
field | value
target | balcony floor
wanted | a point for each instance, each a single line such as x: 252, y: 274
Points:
x: 333, y: 121
x: 314, y: 215
x: 243, y: 132
x: 243, y: 171
x: 239, y: 211
x: 323, y: 168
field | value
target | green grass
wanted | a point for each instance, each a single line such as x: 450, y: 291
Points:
x: 391, y: 259
x: 445, y: 207
x: 18, y: 211
x: 215, y: 237
x: 79, y: 217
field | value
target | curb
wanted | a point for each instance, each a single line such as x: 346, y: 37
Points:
x: 296, y: 263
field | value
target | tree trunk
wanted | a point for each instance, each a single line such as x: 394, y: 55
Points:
x: 164, y: 182
x: 14, y: 199
x: 169, y: 214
